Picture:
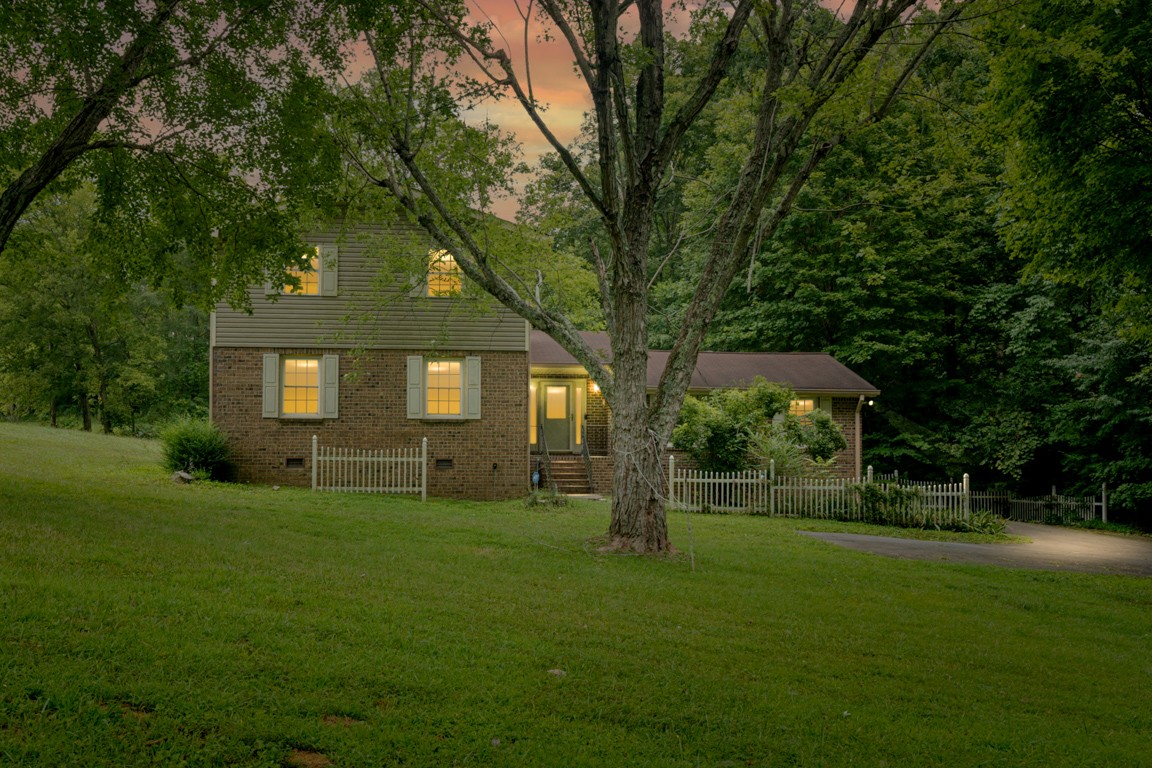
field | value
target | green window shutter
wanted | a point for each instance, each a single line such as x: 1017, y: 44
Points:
x: 330, y: 387
x: 415, y: 386
x: 472, y: 388
x: 328, y: 270
x: 271, y: 408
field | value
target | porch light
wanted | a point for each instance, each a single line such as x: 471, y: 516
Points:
x: 593, y: 387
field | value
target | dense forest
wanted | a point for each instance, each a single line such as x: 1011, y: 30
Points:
x: 982, y: 256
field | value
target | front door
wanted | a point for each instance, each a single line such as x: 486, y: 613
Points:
x: 556, y: 416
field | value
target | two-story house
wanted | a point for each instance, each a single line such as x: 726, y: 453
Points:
x: 363, y: 359
x: 358, y: 359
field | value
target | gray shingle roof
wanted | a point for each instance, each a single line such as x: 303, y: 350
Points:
x: 803, y: 371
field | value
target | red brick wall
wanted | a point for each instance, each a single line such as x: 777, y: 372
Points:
x: 844, y: 414
x: 489, y: 455
x: 599, y: 422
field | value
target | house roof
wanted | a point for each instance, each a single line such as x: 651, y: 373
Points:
x: 803, y: 371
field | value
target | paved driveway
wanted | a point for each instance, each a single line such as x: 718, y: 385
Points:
x: 1052, y: 548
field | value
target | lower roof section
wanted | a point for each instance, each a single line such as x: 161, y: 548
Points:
x: 814, y: 372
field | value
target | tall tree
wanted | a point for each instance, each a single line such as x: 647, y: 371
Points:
x: 195, y: 119
x: 807, y: 60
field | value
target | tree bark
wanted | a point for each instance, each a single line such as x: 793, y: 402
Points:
x: 86, y: 411
x: 639, y: 523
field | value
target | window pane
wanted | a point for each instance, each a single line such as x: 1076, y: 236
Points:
x: 802, y: 407
x: 301, y: 388
x: 556, y: 403
x: 444, y: 277
x: 443, y: 384
x: 309, y: 278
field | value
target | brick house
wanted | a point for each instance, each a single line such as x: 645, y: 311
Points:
x: 562, y: 396
x: 365, y: 362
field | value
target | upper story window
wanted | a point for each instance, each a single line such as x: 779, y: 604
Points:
x: 444, y: 276
x: 315, y: 274
x: 801, y: 407
x: 307, y: 276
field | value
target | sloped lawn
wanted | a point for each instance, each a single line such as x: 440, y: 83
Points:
x: 145, y: 623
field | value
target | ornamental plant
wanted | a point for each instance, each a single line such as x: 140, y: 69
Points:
x: 196, y: 446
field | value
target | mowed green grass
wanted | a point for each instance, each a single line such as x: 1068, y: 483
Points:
x: 145, y: 623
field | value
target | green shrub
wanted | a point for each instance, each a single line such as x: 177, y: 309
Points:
x: 817, y: 433
x: 717, y: 430
x: 196, y: 446
x: 890, y: 505
x: 983, y: 521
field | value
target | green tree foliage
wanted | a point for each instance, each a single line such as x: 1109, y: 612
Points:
x: 197, y: 121
x: 1105, y: 426
x: 886, y: 251
x: 78, y: 336
x: 1072, y: 96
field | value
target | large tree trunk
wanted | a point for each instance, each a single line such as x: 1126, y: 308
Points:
x: 639, y: 521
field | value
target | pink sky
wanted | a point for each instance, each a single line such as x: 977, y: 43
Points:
x: 553, y: 79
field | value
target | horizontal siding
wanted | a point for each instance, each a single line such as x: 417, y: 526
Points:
x: 372, y: 309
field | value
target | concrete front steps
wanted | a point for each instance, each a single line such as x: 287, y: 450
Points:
x: 570, y: 474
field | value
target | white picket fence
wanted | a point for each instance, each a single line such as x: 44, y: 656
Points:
x: 1043, y: 509
x: 763, y: 492
x: 354, y: 470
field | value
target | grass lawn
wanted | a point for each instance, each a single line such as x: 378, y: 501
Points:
x: 145, y: 623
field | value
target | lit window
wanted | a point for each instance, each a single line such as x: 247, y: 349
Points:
x: 300, y: 386
x: 443, y: 385
x: 444, y: 278
x: 802, y: 407
x: 308, y: 277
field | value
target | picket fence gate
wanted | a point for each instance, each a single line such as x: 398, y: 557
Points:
x: 354, y: 470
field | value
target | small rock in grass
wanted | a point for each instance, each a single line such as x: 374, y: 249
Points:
x: 557, y: 672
